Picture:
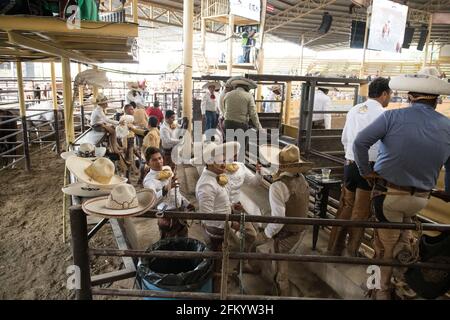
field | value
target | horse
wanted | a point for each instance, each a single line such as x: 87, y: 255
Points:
x: 7, y: 138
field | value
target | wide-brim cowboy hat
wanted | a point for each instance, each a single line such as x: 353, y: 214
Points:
x: 146, y: 199
x: 84, y: 190
x: 275, y: 87
x: 216, y: 85
x: 285, y: 160
x: 100, y: 99
x: 243, y: 81
x: 219, y: 153
x: 99, y: 152
x: 425, y: 81
x: 78, y: 167
x: 134, y: 86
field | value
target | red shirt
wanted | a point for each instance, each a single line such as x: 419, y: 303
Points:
x: 156, y: 112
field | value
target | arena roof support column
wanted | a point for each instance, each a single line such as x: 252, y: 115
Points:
x: 287, y: 101
x: 135, y: 11
x: 23, y: 113
x: 188, y: 35
x: 301, y: 56
x: 230, y: 44
x: 260, y: 58
x: 366, y: 32
x: 80, y: 90
x: 95, y: 88
x: 54, y: 91
x: 67, y: 93
x: 425, y: 56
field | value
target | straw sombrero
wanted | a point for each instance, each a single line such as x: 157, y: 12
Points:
x: 86, y: 150
x: 101, y: 98
x: 98, y: 173
x: 425, y: 81
x: 284, y: 160
x: 123, y: 201
x: 216, y: 85
x: 134, y: 86
x: 275, y: 88
x: 81, y: 189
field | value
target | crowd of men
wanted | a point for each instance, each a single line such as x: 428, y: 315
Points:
x: 393, y: 160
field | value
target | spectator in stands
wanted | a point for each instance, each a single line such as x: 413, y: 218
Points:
x: 355, y: 203
x: 156, y: 112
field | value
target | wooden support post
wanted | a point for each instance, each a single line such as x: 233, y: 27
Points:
x: 260, y: 58
x: 23, y: 114
x: 82, y: 275
x: 230, y: 45
x: 55, y: 106
x: 287, y: 108
x: 188, y: 34
x: 95, y: 88
x: 68, y: 108
x: 203, y: 36
x: 81, y: 100
x: 301, y: 56
x: 135, y: 11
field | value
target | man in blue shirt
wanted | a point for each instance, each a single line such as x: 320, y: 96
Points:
x: 414, y: 145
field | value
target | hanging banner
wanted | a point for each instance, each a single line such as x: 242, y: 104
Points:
x: 250, y: 9
x: 387, y: 26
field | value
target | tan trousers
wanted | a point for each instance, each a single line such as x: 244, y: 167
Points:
x: 286, y: 245
x: 396, y: 208
x: 337, y: 237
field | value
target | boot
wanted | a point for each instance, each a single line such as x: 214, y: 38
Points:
x: 388, y: 239
x: 360, y: 212
x: 337, y: 237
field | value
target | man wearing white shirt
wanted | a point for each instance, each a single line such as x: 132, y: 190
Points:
x: 169, y: 138
x: 163, y: 182
x: 212, y: 192
x: 355, y: 200
x: 322, y: 102
x: 100, y: 122
x: 288, y: 197
x: 210, y: 107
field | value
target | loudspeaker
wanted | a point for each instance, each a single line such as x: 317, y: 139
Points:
x: 423, y: 37
x: 325, y: 26
x: 357, y: 34
x: 409, y: 33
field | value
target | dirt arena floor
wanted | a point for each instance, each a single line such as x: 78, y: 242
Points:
x: 34, y: 257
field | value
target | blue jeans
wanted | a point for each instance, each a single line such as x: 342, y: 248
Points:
x: 447, y: 178
x: 211, y: 121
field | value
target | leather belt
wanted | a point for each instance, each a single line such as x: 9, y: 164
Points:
x: 411, y: 190
x: 349, y: 162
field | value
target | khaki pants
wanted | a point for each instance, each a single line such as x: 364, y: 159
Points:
x: 286, y: 245
x: 396, y: 208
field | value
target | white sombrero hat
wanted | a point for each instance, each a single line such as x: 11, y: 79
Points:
x: 285, y: 160
x: 216, y: 85
x: 123, y: 201
x: 86, y: 150
x: 81, y: 189
x: 220, y: 153
x: 98, y: 173
x: 244, y: 81
x: 425, y: 81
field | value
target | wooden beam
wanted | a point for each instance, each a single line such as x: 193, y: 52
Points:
x: 51, y: 24
x: 27, y: 42
x: 67, y: 92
